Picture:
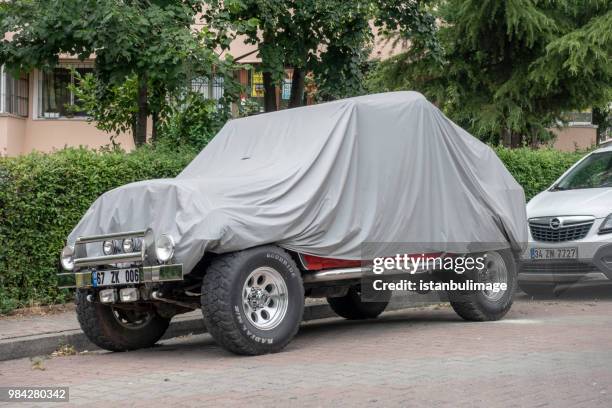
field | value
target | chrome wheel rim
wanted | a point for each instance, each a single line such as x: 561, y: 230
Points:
x: 495, y: 271
x: 265, y: 298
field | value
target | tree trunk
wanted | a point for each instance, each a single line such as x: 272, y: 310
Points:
x: 140, y: 137
x: 269, y: 93
x: 516, y: 140
x: 506, y: 137
x: 297, y: 88
x: 601, y: 118
x: 155, y: 124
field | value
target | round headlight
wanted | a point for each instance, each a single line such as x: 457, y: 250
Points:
x: 108, y: 247
x: 164, y: 248
x: 128, y: 245
x: 67, y: 258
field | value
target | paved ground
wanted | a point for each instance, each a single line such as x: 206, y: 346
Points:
x: 545, y: 353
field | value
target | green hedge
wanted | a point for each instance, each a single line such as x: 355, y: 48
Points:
x: 42, y: 196
x: 536, y: 170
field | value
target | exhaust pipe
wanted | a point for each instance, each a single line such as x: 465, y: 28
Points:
x: 331, y: 275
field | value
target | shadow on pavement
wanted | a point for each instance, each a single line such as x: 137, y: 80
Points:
x: 412, y: 319
x: 320, y: 329
x: 595, y: 292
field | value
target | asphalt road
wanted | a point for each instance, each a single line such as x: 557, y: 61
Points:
x: 555, y: 353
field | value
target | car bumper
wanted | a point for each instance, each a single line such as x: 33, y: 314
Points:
x: 594, y: 265
x: 142, y: 258
x: 148, y: 274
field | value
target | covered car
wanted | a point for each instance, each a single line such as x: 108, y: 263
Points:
x: 323, y: 180
x: 319, y: 181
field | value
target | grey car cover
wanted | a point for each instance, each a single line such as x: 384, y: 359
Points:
x: 325, y: 179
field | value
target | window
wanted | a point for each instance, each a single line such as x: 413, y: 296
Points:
x: 593, y: 172
x: 579, y: 118
x: 54, y: 96
x: 13, y: 94
x: 210, y: 90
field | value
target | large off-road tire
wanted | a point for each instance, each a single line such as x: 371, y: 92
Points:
x: 116, y: 329
x: 538, y: 290
x: 352, y: 307
x: 483, y: 306
x: 253, y: 300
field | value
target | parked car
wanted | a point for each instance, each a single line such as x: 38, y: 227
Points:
x: 570, y: 240
x: 277, y: 208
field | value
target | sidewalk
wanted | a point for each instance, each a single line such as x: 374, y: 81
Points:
x: 28, y: 336
x: 35, y: 335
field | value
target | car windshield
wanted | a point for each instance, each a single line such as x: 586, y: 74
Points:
x: 593, y: 172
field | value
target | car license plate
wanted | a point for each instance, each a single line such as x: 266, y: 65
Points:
x: 553, y: 253
x: 112, y: 277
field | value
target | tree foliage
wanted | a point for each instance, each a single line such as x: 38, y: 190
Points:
x: 144, y: 50
x: 329, y: 38
x: 512, y: 67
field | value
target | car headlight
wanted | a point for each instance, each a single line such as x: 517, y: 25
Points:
x: 128, y: 245
x: 164, y: 248
x: 606, y: 225
x: 108, y: 247
x: 67, y: 258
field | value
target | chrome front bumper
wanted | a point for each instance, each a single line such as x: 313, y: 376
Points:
x: 148, y: 274
x: 144, y: 260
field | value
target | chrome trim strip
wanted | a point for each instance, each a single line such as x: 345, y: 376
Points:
x: 108, y: 259
x: 104, y: 237
x: 566, y: 220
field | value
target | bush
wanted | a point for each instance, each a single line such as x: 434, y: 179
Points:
x: 192, y: 120
x: 42, y: 197
x: 536, y: 170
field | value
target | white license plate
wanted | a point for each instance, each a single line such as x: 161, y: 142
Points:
x: 553, y: 253
x: 112, y: 277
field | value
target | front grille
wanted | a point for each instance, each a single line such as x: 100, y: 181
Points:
x: 546, y: 233
x: 557, y: 267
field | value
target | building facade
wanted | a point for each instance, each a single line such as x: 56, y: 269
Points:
x: 34, y: 114
x: 34, y: 117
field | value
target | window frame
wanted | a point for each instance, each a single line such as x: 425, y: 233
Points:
x: 17, y: 99
x: 2, y: 88
x: 38, y: 111
x: 214, y: 86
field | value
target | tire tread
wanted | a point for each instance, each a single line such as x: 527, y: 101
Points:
x: 217, y: 308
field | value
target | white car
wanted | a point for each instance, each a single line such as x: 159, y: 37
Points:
x: 570, y: 229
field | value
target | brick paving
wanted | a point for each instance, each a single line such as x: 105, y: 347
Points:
x: 555, y: 353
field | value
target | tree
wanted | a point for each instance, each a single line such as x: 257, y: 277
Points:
x: 512, y: 67
x: 329, y: 38
x: 144, y: 50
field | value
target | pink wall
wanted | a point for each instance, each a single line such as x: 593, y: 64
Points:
x: 12, y: 131
x: 48, y: 134
x: 571, y: 138
x: 24, y: 135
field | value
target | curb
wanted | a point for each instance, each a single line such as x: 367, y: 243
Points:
x: 45, y: 344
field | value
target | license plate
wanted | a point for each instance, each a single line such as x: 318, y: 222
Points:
x: 553, y: 253
x: 112, y: 277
